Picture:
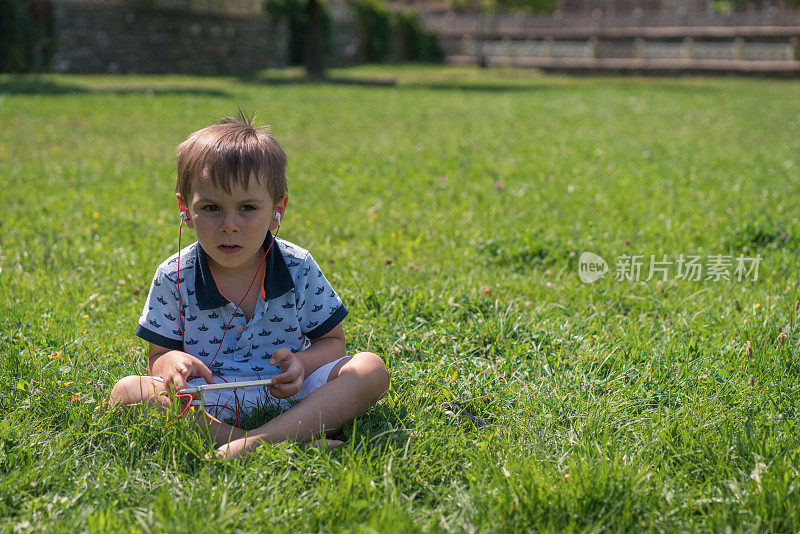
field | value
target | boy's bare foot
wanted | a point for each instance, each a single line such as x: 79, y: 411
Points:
x: 330, y: 444
x: 231, y: 450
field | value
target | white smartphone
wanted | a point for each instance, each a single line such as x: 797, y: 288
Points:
x: 226, y: 385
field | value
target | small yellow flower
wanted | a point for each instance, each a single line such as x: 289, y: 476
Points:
x: 96, y: 215
x: 84, y: 316
x: 67, y: 384
x: 160, y: 222
x: 308, y: 223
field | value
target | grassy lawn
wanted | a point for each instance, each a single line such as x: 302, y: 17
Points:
x: 449, y: 208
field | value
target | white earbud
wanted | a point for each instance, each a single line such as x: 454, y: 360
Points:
x: 184, y: 217
x: 277, y: 218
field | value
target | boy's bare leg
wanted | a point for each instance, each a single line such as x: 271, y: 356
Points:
x: 360, y: 382
x: 133, y: 392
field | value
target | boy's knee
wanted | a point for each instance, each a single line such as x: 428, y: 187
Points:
x: 375, y: 369
x: 132, y: 390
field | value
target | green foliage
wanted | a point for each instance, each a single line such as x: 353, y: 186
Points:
x: 521, y: 6
x: 374, y: 23
x: 414, y: 42
x: 294, y: 13
x: 386, y: 34
x: 26, y: 42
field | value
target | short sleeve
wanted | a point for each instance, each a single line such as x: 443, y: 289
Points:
x: 160, y: 320
x: 319, y: 308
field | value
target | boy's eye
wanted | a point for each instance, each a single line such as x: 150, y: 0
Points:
x: 210, y: 207
x: 247, y: 207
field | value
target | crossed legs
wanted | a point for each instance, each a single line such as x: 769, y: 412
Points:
x: 354, y: 384
x: 134, y: 392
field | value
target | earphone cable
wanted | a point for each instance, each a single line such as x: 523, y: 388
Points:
x: 225, y: 331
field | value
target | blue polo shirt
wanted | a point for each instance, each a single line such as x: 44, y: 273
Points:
x: 296, y: 305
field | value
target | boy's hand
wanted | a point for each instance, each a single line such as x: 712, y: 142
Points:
x: 180, y: 367
x: 290, y: 380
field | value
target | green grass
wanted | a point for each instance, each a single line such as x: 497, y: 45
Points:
x: 449, y: 210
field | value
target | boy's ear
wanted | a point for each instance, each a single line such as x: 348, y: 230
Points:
x: 184, y: 211
x: 280, y: 207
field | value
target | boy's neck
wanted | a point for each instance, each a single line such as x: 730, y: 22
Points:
x: 247, y: 270
x: 233, y: 277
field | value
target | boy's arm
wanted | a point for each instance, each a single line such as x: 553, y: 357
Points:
x: 325, y: 349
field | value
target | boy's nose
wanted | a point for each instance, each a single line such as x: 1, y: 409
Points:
x: 229, y: 223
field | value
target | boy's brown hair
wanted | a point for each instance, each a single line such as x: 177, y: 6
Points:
x: 229, y: 152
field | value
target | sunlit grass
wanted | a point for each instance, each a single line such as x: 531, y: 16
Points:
x: 448, y: 206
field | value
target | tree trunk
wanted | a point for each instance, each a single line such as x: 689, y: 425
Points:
x: 313, y: 60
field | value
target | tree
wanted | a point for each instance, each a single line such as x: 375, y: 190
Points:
x: 313, y: 60
x: 307, y: 22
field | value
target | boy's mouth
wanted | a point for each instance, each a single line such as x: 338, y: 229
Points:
x: 229, y: 249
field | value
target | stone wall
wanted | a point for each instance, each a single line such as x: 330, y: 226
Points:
x: 144, y: 37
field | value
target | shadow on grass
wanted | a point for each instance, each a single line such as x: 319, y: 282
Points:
x: 36, y: 85
x: 317, y: 80
x: 536, y: 83
x: 392, y: 82
x: 371, y: 425
x: 544, y: 84
x: 43, y: 86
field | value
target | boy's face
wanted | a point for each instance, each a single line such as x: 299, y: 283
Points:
x: 231, y: 227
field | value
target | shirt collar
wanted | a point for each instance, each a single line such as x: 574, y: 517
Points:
x: 277, y: 279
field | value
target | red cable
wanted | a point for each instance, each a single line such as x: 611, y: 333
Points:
x: 238, y: 307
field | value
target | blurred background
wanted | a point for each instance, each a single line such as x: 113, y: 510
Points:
x: 234, y: 36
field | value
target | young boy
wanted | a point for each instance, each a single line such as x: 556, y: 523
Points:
x: 242, y: 306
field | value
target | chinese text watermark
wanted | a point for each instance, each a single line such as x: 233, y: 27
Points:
x: 694, y: 268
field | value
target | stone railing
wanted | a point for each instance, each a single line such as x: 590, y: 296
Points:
x: 770, y: 43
